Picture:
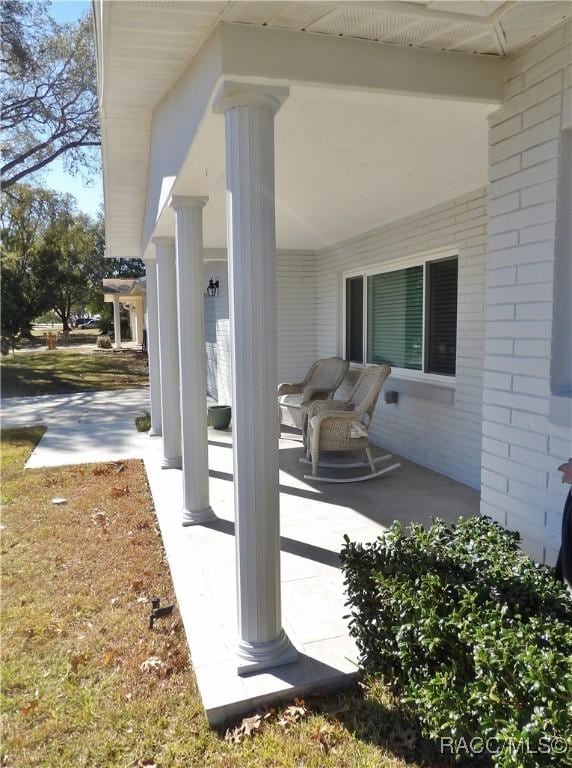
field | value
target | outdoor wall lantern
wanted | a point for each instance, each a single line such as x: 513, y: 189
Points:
x: 212, y: 287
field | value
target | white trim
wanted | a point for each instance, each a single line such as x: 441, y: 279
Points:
x: 393, y: 265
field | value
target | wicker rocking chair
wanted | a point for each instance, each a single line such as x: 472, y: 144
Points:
x: 342, y: 425
x: 320, y: 383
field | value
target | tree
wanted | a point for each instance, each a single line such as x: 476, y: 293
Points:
x: 124, y: 268
x: 25, y: 218
x: 70, y: 265
x: 50, y: 104
x: 52, y: 258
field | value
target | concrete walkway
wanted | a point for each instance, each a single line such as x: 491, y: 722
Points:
x: 96, y: 427
x: 83, y: 427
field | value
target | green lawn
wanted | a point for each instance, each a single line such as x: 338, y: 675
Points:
x: 79, y: 689
x: 59, y: 372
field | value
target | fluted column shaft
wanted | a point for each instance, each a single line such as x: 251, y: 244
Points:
x: 249, y: 123
x: 190, y: 291
x: 169, y: 352
x: 117, y: 322
x: 153, y: 346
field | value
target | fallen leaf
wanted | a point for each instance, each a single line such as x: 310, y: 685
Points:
x: 233, y: 736
x: 101, y: 519
x: 251, y: 724
x: 59, y: 501
x: 117, y: 492
x: 155, y: 665
x: 29, y: 707
x: 76, y: 659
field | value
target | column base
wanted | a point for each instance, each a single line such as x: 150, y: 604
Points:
x: 155, y: 432
x: 176, y: 463
x: 256, y: 657
x: 198, y: 516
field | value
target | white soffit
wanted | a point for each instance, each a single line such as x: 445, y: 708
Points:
x: 471, y: 26
x: 144, y: 46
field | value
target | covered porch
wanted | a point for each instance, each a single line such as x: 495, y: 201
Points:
x: 318, y: 180
x: 129, y: 294
x: 313, y: 522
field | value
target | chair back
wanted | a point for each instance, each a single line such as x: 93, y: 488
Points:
x: 363, y: 396
x: 327, y: 374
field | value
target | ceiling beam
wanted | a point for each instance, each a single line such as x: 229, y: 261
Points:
x: 315, y: 59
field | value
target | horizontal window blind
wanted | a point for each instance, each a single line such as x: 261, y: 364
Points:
x: 395, y: 318
x: 442, y: 277
x: 354, y: 319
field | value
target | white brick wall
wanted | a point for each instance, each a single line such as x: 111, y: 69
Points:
x: 296, y: 272
x: 444, y: 437
x: 521, y: 447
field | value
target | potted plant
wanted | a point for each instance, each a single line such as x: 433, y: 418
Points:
x: 219, y: 416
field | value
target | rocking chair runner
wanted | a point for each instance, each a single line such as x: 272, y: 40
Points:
x: 342, y: 425
x: 320, y: 383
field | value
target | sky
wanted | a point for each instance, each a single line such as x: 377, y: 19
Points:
x: 89, y: 197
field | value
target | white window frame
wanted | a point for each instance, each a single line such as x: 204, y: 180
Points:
x: 393, y: 265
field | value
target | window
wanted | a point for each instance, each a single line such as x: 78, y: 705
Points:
x: 405, y: 317
x: 354, y: 319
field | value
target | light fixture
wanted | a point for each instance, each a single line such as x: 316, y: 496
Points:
x: 212, y: 288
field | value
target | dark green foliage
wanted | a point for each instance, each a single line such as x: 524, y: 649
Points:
x: 143, y: 423
x: 473, y: 636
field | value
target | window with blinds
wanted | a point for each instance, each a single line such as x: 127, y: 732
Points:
x: 354, y: 319
x: 410, y: 317
x: 441, y: 345
x: 395, y: 318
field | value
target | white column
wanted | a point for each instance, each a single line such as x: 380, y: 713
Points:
x: 139, y: 321
x: 249, y: 120
x: 132, y: 326
x: 190, y: 290
x: 117, y: 322
x: 153, y: 346
x: 168, y: 351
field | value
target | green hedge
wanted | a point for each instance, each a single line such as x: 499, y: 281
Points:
x: 474, y: 638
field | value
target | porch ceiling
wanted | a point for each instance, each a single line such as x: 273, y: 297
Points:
x: 346, y: 162
x: 144, y: 46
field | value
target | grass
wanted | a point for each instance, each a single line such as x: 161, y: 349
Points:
x: 77, y: 580
x: 61, y: 372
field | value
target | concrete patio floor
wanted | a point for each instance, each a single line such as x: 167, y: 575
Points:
x: 97, y: 427
x: 314, y: 519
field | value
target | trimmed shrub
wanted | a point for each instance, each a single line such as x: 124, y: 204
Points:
x: 472, y: 635
x: 103, y: 342
x: 143, y: 423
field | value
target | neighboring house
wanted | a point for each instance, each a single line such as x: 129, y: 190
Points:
x: 129, y: 292
x: 421, y: 161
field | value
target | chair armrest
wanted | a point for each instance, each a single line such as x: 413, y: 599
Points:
x: 311, y: 392
x: 290, y: 389
x: 316, y: 407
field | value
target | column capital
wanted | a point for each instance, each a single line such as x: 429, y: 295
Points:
x: 187, y: 201
x: 164, y: 247
x: 235, y: 94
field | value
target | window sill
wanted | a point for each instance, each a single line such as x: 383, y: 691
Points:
x: 422, y: 387
x: 439, y: 389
